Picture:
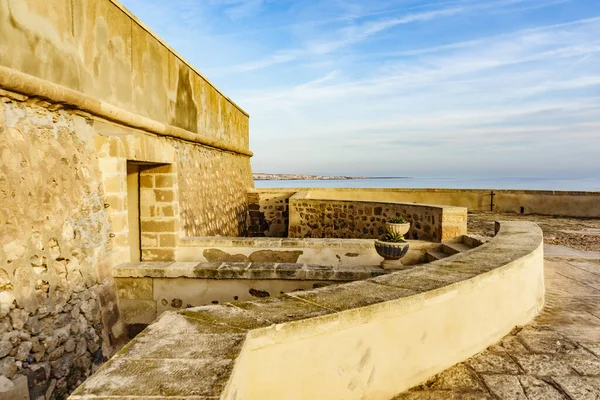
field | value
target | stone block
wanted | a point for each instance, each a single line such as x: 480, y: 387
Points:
x: 158, y: 226
x: 158, y: 254
x: 165, y: 181
x: 163, y: 196
x: 137, y: 311
x: 168, y: 240
x: 134, y: 288
x: 544, y: 365
x: 150, y: 240
x: 15, y: 389
x: 146, y: 181
x: 115, y: 184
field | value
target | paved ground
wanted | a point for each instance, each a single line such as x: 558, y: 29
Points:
x: 555, y: 357
x: 578, y: 233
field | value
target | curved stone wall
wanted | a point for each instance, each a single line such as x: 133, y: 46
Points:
x: 367, y: 339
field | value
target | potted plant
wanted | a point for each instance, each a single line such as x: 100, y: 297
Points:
x: 398, y: 226
x: 392, y: 247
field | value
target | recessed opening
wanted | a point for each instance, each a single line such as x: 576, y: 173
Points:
x: 522, y: 210
x: 133, y: 211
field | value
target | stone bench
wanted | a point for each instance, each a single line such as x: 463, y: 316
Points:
x: 367, y: 339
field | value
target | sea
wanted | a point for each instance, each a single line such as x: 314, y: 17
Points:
x: 520, y: 183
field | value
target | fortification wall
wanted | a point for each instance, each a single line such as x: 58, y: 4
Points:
x: 312, y: 216
x: 86, y: 91
x: 100, y: 49
x: 58, y: 309
x: 370, y: 339
x: 269, y: 213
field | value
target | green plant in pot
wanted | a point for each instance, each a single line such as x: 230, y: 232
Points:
x: 398, y: 225
x: 392, y: 247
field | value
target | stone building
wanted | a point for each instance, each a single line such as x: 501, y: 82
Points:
x: 112, y: 147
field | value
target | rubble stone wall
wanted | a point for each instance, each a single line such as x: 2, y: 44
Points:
x: 366, y: 219
x: 63, y: 216
x: 56, y: 301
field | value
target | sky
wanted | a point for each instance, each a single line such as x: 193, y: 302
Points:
x: 401, y: 87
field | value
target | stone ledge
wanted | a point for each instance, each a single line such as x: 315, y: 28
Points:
x: 244, y: 270
x: 391, y: 332
x: 271, y: 242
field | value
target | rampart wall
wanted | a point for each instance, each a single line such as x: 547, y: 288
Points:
x: 270, y: 210
x: 368, y: 339
x: 87, y: 91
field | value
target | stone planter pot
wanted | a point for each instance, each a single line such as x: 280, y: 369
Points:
x: 392, y: 252
x: 398, y: 229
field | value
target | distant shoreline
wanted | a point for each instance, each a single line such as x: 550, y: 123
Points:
x: 297, y: 177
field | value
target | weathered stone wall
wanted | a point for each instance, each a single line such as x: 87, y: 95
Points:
x: 85, y: 90
x: 212, y: 190
x: 268, y: 214
x: 63, y: 209
x: 544, y: 202
x: 349, y: 219
x: 329, y: 252
x: 57, y: 306
x: 148, y: 289
x: 305, y: 214
x: 366, y: 219
x: 100, y: 49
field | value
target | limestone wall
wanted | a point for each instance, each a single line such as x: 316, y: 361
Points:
x: 87, y: 95
x: 98, y: 48
x: 268, y: 213
x: 63, y: 209
x: 64, y: 214
x: 321, y: 214
x: 559, y: 203
x: 311, y: 216
x: 58, y: 311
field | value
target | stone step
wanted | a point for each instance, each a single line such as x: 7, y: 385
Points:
x: 434, y: 255
x: 455, y: 248
x: 475, y: 240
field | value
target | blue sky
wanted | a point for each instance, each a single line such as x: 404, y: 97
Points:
x: 404, y: 87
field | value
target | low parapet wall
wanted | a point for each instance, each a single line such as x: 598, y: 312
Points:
x: 314, y: 216
x: 269, y: 207
x: 147, y: 289
x: 368, y: 339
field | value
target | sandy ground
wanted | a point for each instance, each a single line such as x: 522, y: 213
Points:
x: 578, y: 233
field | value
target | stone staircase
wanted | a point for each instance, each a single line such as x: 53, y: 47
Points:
x: 454, y: 246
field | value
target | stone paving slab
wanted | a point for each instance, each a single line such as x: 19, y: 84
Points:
x: 556, y: 357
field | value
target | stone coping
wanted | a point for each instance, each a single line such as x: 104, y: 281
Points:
x: 31, y: 86
x: 245, y: 270
x: 269, y: 242
x: 204, y: 351
x: 274, y: 242
x: 431, y: 190
x: 312, y: 195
